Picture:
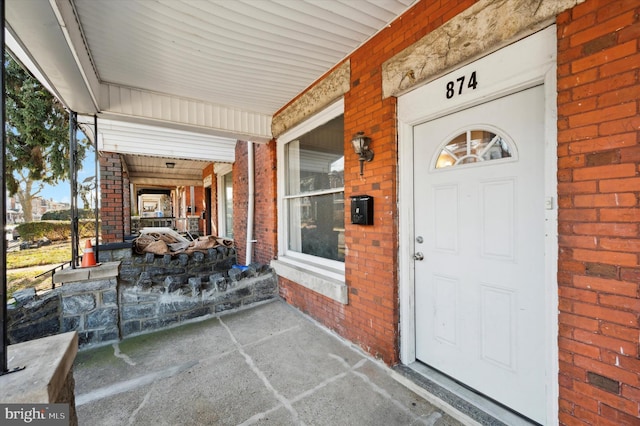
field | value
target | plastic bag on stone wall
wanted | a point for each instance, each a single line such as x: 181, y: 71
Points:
x: 157, y: 247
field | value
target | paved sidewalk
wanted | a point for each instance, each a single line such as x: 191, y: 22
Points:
x: 268, y: 365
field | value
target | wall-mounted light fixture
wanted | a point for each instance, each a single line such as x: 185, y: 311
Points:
x: 361, y: 146
x: 170, y: 165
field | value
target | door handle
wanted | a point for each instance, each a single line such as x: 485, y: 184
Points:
x: 418, y: 256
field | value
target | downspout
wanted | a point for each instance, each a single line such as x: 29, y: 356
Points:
x: 251, y: 202
x: 192, y: 203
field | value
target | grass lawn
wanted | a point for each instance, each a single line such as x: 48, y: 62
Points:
x: 19, y: 279
x: 45, y: 255
x: 37, y: 261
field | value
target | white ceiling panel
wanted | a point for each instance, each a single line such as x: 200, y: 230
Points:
x: 254, y: 55
x: 248, y: 55
x: 216, y: 67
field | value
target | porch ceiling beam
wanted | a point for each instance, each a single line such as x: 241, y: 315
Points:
x: 170, y: 181
x: 183, y: 176
x: 125, y: 137
x: 146, y: 107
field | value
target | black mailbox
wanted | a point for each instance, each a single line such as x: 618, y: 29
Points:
x: 362, y: 210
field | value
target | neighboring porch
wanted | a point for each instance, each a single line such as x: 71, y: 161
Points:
x: 152, y: 176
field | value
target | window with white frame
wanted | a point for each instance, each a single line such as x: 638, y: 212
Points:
x: 224, y: 176
x: 313, y: 188
x: 314, y: 192
x: 311, y: 204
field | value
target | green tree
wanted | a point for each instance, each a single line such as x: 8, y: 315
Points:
x: 37, y: 137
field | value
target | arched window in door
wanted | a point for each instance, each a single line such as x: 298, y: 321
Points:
x: 474, y: 146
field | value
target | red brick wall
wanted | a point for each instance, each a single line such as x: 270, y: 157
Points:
x: 200, y: 206
x: 265, y: 227
x: 371, y: 317
x: 111, y: 198
x: 208, y: 170
x: 265, y: 202
x: 336, y: 316
x: 198, y: 202
x: 599, y: 216
x: 198, y: 199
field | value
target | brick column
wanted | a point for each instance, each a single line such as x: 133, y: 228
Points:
x: 126, y: 203
x: 112, y: 188
x: 240, y: 201
x: 213, y: 208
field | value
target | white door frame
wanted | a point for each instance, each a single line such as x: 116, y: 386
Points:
x: 521, y: 65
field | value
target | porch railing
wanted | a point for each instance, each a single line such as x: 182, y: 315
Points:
x: 189, y: 224
x: 52, y: 271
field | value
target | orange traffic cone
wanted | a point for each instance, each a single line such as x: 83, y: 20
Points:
x: 88, y: 258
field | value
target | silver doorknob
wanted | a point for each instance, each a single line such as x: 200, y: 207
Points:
x: 418, y: 256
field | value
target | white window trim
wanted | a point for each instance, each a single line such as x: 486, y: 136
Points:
x: 221, y: 169
x: 323, y: 276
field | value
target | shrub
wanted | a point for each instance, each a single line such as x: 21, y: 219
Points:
x: 66, y: 214
x: 57, y: 230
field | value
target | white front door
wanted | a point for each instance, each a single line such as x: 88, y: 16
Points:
x: 479, y: 225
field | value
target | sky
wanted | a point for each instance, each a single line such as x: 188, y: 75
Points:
x: 62, y: 191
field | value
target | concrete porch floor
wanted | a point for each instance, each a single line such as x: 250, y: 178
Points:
x: 267, y: 365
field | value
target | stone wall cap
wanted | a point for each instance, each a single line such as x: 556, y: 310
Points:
x: 47, y: 363
x: 101, y: 271
x: 71, y: 275
x: 104, y: 270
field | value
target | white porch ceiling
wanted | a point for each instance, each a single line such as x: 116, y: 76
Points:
x: 219, y: 67
x: 148, y: 172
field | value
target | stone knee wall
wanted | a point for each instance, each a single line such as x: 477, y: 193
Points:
x: 88, y: 307
x: 139, y: 294
x: 176, y: 301
x: 33, y: 318
x: 91, y: 309
x: 160, y: 291
x: 173, y: 271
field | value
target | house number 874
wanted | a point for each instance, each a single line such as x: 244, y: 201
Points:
x: 472, y: 83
